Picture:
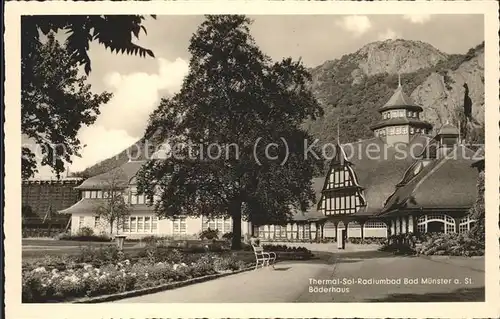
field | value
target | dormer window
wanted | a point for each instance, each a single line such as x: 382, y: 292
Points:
x: 401, y: 113
x: 388, y: 115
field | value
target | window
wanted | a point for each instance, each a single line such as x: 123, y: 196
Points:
x: 398, y: 130
x: 126, y: 225
x: 147, y: 224
x: 307, y: 231
x: 224, y: 225
x: 96, y: 221
x: 133, y: 198
x: 388, y: 115
x: 465, y: 224
x: 412, y: 130
x: 391, y: 131
x: 404, y: 130
x: 140, y: 224
x: 375, y: 224
x: 401, y: 113
x: 428, y: 223
x: 105, y: 194
x: 140, y: 199
x: 179, y: 225
x: 133, y: 224
x: 86, y: 194
x: 81, y: 221
x: 154, y: 224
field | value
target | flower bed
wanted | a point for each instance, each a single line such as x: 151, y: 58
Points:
x: 88, y: 275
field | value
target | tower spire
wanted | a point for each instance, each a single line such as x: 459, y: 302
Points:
x: 338, y: 131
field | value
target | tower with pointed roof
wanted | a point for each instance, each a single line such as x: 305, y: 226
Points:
x: 400, y: 119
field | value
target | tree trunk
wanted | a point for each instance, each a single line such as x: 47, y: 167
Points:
x: 235, y: 211
x: 111, y: 227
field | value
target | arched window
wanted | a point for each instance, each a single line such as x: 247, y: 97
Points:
x: 465, y: 224
x: 436, y: 223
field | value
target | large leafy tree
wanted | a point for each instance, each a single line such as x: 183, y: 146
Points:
x: 478, y: 209
x: 56, y: 101
x: 236, y: 100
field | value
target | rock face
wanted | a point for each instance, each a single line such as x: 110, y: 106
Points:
x: 393, y: 56
x: 352, y: 88
x: 443, y: 95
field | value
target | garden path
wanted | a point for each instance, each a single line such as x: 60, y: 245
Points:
x: 291, y: 281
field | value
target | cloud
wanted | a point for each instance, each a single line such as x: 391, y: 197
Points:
x: 417, y: 18
x: 124, y: 118
x: 388, y: 34
x: 355, y: 24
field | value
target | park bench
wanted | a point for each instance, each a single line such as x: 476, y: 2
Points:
x: 263, y: 258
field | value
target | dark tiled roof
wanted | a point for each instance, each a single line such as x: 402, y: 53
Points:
x: 401, y: 121
x: 448, y: 182
x: 124, y: 173
x: 84, y: 205
x: 378, y: 172
x: 400, y: 100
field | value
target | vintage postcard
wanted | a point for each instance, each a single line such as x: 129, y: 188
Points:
x: 252, y: 159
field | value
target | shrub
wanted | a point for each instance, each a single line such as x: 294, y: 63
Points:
x: 453, y: 244
x: 209, y: 234
x: 86, y: 232
x: 228, y: 236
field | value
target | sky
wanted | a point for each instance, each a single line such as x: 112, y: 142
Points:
x: 139, y: 83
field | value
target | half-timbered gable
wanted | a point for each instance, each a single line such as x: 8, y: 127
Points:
x: 341, y: 193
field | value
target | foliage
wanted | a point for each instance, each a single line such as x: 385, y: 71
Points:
x: 115, y: 32
x: 114, y: 209
x: 285, y: 248
x: 27, y: 214
x: 209, y: 234
x: 81, y: 236
x: 55, y: 103
x: 366, y: 240
x: 477, y: 211
x: 227, y: 236
x: 233, y: 96
x: 86, y: 231
x: 453, y: 244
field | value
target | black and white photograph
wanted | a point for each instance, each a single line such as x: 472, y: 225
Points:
x: 253, y: 158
